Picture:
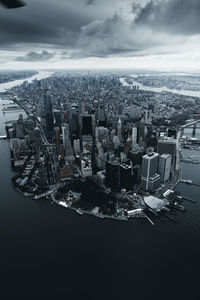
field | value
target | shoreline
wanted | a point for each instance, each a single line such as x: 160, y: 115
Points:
x: 147, y: 88
x: 173, y: 182
x: 100, y: 216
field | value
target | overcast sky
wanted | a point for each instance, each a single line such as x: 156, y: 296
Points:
x: 151, y: 34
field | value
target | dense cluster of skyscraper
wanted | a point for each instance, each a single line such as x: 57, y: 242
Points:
x: 92, y: 126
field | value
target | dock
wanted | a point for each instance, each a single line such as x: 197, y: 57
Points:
x: 189, y: 200
x: 43, y: 195
x: 3, y: 137
x: 189, y: 182
x: 147, y: 217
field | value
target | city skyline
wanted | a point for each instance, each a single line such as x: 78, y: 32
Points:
x: 100, y: 149
x: 153, y: 35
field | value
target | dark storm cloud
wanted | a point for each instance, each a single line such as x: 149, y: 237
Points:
x: 102, y: 38
x: 47, y: 22
x: 35, y: 56
x: 174, y: 16
x: 112, y: 36
x: 154, y: 25
x: 99, y: 28
x: 90, y: 2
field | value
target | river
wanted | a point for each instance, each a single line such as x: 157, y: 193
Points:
x: 50, y: 252
x: 160, y: 90
x: 11, y: 84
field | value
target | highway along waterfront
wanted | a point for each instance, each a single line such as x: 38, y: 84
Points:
x: 47, y: 251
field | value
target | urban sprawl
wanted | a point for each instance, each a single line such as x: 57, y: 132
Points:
x: 97, y: 144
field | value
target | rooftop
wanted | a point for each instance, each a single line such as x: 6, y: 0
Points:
x: 155, y: 203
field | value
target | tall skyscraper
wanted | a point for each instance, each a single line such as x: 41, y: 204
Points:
x: 48, y: 112
x: 119, y: 130
x: 69, y: 151
x: 149, y: 170
x: 37, y: 139
x: 127, y: 177
x: 65, y: 133
x: 57, y: 118
x: 148, y: 117
x: 164, y: 166
x: 113, y: 175
x: 134, y: 138
x: 57, y: 138
x: 168, y: 146
x: 120, y: 176
x: 87, y: 127
x: 77, y: 147
x: 73, y: 121
x: 66, y: 143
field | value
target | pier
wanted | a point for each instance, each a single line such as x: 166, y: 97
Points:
x: 189, y: 200
x: 43, y: 194
x: 189, y: 182
x: 3, y: 137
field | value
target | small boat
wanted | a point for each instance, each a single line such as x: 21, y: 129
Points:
x: 79, y: 212
x: 178, y: 206
x: 101, y: 216
x: 166, y: 209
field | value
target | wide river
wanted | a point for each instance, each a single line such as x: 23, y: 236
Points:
x: 160, y: 90
x: 47, y: 251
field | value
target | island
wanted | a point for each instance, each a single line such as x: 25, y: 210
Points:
x: 94, y: 145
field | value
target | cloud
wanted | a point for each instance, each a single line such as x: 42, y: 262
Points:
x: 65, y: 55
x: 45, y: 22
x: 34, y: 56
x: 90, y: 2
x: 117, y: 36
x: 79, y: 29
x: 153, y: 27
x: 172, y: 16
x: 104, y: 37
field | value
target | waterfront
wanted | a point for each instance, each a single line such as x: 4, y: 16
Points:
x: 11, y: 84
x: 54, y: 250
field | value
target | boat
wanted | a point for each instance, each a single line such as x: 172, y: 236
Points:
x: 178, y: 206
x: 79, y: 212
x: 166, y: 209
x: 101, y: 216
x: 28, y: 194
